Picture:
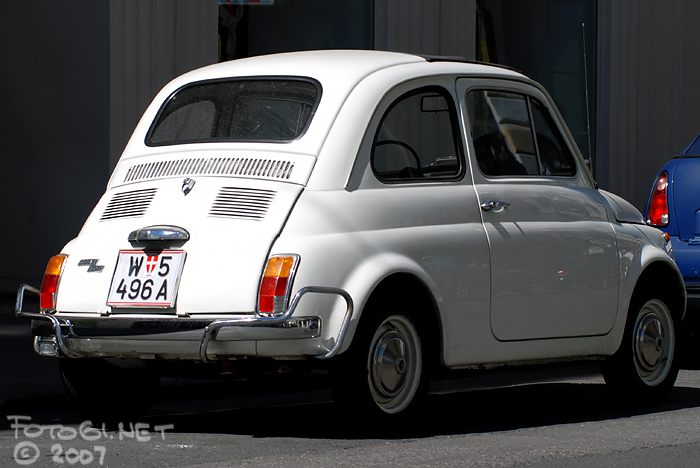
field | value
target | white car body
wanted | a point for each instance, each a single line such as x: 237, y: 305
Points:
x: 547, y: 278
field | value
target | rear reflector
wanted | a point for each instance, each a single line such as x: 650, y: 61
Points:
x: 657, y: 214
x: 47, y: 346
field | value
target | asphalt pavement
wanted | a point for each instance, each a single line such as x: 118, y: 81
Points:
x: 31, y: 384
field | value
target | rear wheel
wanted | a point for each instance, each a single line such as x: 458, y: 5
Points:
x: 385, y: 370
x: 394, y: 364
x: 644, y: 369
x: 105, y: 393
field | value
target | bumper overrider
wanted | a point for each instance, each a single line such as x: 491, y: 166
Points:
x: 247, y: 328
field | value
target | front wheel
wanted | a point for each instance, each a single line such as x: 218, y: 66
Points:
x: 385, y: 371
x: 644, y: 368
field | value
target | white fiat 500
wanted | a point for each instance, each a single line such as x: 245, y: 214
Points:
x: 375, y: 214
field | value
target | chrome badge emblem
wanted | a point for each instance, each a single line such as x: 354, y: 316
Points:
x: 92, y: 265
x: 187, y: 185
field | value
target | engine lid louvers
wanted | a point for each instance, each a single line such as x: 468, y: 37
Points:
x: 242, y: 203
x: 249, y: 167
x: 128, y: 204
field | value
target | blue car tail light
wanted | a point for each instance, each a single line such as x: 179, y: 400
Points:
x: 657, y: 214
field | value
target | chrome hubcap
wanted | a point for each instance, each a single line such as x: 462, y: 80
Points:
x: 650, y: 342
x: 389, y: 363
x: 654, y: 342
x: 394, y: 364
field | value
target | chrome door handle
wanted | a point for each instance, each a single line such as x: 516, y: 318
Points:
x: 494, y: 206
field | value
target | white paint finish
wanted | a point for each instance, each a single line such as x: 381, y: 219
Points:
x: 623, y: 210
x: 648, y: 246
x: 553, y: 261
x: 225, y: 257
x: 430, y: 231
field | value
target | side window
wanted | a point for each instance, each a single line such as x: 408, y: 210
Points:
x: 554, y: 154
x: 513, y: 135
x: 417, y: 139
x: 501, y: 133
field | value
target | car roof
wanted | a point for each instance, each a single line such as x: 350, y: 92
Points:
x: 340, y: 72
x: 349, y: 66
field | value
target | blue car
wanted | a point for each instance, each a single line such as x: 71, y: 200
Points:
x: 674, y: 207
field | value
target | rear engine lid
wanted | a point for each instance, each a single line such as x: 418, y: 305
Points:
x: 232, y: 222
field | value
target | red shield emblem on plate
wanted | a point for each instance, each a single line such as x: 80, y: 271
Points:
x: 151, y: 263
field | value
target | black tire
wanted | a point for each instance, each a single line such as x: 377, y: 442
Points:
x: 385, y: 373
x: 105, y: 393
x: 644, y: 368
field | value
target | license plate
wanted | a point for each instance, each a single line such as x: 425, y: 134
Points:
x: 146, y: 279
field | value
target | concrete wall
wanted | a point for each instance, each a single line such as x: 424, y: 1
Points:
x: 647, y: 91
x: 75, y: 78
x: 152, y: 42
x: 292, y: 25
x: 54, y: 88
x: 429, y: 27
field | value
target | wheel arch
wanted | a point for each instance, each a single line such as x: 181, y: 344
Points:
x: 424, y: 306
x: 643, y: 368
x: 423, y: 298
x: 661, y: 277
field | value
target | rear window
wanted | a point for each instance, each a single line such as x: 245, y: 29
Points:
x: 263, y: 110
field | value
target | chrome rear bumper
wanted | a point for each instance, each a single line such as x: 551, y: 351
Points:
x: 246, y: 328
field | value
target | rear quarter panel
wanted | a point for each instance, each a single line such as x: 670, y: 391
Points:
x: 353, y: 240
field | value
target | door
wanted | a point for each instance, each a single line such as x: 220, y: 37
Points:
x: 553, y: 250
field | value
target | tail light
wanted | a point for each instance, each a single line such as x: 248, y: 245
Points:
x: 276, y: 284
x: 49, y: 286
x: 657, y: 214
